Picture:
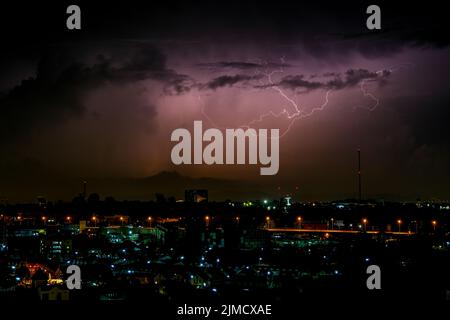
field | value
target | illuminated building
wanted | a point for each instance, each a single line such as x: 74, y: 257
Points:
x: 53, y: 294
x: 56, y: 246
x: 196, y: 196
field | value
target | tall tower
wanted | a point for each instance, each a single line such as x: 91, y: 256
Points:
x: 4, y: 241
x: 84, y: 189
x: 359, y: 176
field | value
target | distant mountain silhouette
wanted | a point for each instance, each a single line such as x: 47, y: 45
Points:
x: 175, y: 177
x: 169, y: 183
x: 172, y: 183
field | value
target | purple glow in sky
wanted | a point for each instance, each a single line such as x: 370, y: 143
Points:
x: 102, y: 106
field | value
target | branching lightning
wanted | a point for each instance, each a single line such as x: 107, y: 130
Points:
x: 292, y: 117
x: 298, y: 113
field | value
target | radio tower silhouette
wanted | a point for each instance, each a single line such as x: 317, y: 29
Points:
x: 359, y: 176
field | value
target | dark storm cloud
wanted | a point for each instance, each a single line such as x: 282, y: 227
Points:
x: 320, y: 29
x: 178, y: 84
x: 148, y: 62
x: 350, y: 78
x: 62, y: 82
x: 230, y: 64
x: 421, y: 32
x: 227, y: 80
x: 298, y: 81
x: 353, y: 77
x: 241, y: 65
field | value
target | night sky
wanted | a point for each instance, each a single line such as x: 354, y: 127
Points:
x: 99, y: 104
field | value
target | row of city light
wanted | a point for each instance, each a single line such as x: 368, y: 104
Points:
x: 237, y: 218
x: 93, y: 218
x: 149, y: 219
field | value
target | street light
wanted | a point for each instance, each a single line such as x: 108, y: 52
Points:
x: 68, y: 218
x: 364, y: 221
x: 399, y: 222
x: 44, y: 218
x: 299, y: 221
x: 434, y: 223
x: 267, y: 222
x: 149, y: 219
x: 417, y: 225
x: 121, y: 220
x: 94, y: 218
x: 332, y: 223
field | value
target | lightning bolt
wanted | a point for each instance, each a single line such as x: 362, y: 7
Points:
x: 298, y: 113
x: 366, y: 93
